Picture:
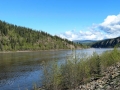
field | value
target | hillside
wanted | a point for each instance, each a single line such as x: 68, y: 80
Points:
x: 108, y: 43
x: 13, y: 37
x: 85, y: 43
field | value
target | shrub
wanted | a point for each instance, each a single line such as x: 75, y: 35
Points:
x: 77, y: 70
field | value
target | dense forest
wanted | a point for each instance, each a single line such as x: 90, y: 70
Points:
x: 13, y: 38
x: 108, y: 43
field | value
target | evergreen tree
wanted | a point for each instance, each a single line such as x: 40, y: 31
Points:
x: 15, y: 37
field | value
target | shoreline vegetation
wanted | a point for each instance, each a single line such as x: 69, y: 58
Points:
x: 37, y: 50
x: 78, y: 70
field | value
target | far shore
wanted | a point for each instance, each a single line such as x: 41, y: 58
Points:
x: 35, y: 50
x: 13, y: 51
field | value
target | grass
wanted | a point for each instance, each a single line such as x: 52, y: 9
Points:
x: 78, y: 69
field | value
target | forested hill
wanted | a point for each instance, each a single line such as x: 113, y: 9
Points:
x: 108, y: 43
x: 13, y: 37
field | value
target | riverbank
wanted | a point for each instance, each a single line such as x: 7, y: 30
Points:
x: 13, y: 51
x: 37, y: 50
x: 98, y: 72
x: 109, y: 81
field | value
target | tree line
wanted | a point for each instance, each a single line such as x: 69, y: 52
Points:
x: 13, y: 37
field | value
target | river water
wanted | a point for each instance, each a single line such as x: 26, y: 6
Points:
x: 21, y: 70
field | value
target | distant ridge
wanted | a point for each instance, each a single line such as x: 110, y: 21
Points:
x: 85, y: 41
x: 107, y: 43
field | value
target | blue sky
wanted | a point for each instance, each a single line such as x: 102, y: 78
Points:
x: 71, y: 19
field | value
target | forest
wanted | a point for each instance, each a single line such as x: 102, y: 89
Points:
x: 17, y: 38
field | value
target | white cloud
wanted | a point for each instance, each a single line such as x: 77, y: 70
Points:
x: 111, y: 24
x: 109, y: 28
x: 82, y: 35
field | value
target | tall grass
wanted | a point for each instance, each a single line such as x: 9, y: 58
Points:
x: 77, y: 70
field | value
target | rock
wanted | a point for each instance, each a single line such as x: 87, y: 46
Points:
x: 109, y: 81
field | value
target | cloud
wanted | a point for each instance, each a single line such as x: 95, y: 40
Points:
x: 109, y: 28
x: 82, y: 35
x: 71, y: 35
x: 111, y: 24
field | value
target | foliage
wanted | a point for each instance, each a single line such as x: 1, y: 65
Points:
x: 78, y: 69
x: 14, y: 38
x: 110, y: 57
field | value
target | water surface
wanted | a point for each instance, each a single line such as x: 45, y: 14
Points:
x: 21, y: 70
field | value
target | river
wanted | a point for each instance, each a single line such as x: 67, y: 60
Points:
x: 21, y: 70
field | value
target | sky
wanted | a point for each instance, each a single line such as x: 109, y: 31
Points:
x: 70, y: 19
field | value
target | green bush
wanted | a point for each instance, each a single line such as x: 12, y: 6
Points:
x: 77, y: 69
